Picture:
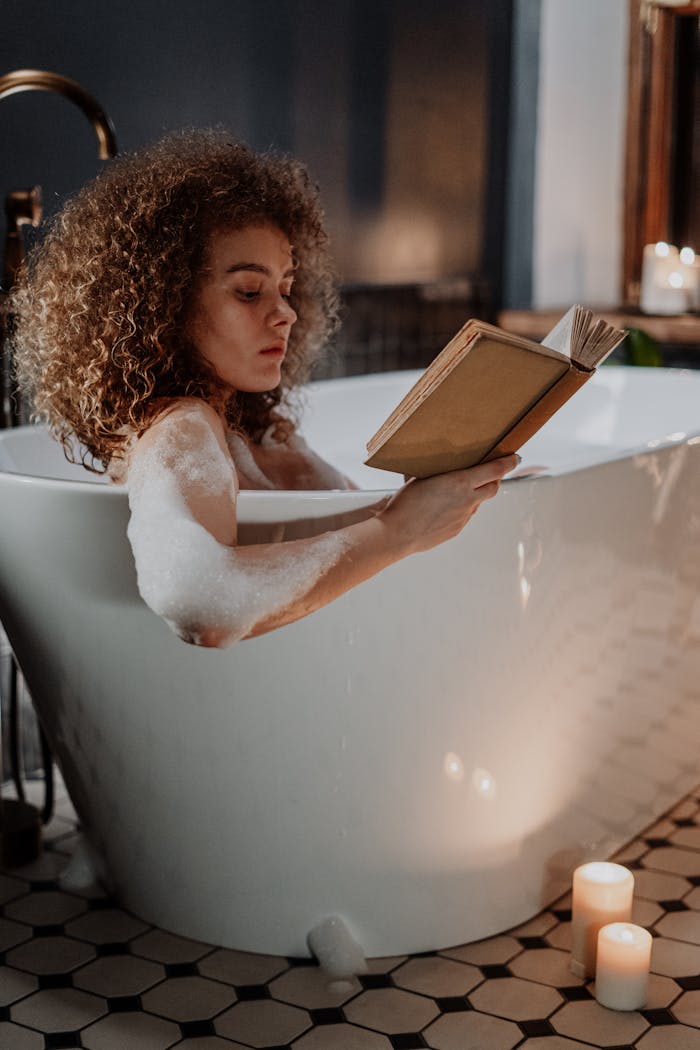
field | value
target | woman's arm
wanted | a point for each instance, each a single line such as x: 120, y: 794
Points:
x: 182, y: 494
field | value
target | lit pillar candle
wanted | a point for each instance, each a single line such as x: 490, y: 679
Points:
x: 663, y: 289
x: 602, y: 893
x: 622, y: 969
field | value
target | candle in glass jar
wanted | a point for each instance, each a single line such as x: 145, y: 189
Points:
x: 622, y: 968
x: 602, y: 893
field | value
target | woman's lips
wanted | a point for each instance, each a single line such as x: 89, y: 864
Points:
x: 274, y: 351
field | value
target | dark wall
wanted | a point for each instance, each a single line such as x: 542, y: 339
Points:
x: 392, y: 103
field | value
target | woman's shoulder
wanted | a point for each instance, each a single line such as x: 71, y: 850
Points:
x: 192, y: 410
x: 182, y: 432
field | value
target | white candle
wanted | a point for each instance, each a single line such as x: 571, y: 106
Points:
x: 602, y: 893
x: 664, y: 288
x: 622, y: 974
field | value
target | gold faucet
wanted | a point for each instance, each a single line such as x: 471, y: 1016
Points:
x: 41, y: 80
x: 23, y: 207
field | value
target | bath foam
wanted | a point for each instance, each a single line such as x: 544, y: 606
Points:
x: 197, y: 584
x: 337, y: 951
x: 243, y: 458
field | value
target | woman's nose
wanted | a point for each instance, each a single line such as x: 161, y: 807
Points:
x: 285, y: 312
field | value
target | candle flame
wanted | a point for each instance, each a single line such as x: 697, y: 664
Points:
x: 661, y: 249
x: 453, y: 766
x: 605, y: 871
x: 484, y: 783
x: 687, y: 256
x: 675, y: 279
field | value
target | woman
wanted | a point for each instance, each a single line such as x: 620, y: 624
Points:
x: 174, y: 308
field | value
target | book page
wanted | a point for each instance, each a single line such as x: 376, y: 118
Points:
x: 560, y: 336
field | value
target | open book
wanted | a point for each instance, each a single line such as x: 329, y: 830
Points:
x: 487, y: 393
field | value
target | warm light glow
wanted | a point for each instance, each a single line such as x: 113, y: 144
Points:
x: 661, y: 249
x: 675, y: 279
x: 524, y: 591
x: 604, y: 871
x: 453, y: 766
x: 484, y: 783
x: 687, y: 256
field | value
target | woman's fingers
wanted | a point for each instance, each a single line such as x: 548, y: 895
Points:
x: 494, y: 470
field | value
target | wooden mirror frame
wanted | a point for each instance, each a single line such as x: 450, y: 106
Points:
x: 649, y: 132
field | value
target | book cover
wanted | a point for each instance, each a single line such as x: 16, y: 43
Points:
x: 487, y: 393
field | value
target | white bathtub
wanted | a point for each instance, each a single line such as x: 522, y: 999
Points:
x: 429, y: 756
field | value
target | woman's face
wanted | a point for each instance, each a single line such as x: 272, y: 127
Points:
x: 241, y: 317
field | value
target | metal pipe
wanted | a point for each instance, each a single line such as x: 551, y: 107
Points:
x: 42, y: 80
x: 24, y: 206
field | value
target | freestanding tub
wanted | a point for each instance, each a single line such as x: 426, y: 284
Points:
x: 429, y: 756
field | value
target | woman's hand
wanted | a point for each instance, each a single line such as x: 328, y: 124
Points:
x: 425, y: 513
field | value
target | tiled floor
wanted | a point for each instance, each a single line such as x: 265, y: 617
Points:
x: 77, y: 971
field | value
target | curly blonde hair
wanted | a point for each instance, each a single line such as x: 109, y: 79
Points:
x: 100, y: 338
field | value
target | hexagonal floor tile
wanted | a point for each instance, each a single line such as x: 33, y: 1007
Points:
x: 263, y: 1022
x: 118, y: 975
x: 546, y: 965
x: 391, y: 1011
x: 670, y: 1037
x: 685, y: 810
x: 491, y: 952
x: 553, y: 1042
x: 342, y: 1037
x: 590, y: 1021
x: 661, y: 992
x: 674, y: 958
x: 631, y: 852
x: 560, y: 937
x: 136, y: 1031
x: 11, y: 1035
x: 44, y: 955
x: 58, y: 1010
x: 385, y: 963
x: 437, y: 976
x: 15, y: 985
x: 673, y: 860
x: 12, y: 933
x: 471, y: 1029
x: 163, y: 947
x: 50, y: 907
x: 536, y: 927
x: 311, y: 988
x: 645, y: 913
x: 516, y: 999
x: 686, y: 837
x: 188, y: 998
x: 687, y: 1008
x: 208, y: 1042
x: 106, y: 926
x: 11, y: 888
x: 656, y: 886
x: 681, y: 925
x: 241, y: 967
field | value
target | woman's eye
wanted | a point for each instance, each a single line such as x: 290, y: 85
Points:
x: 248, y: 297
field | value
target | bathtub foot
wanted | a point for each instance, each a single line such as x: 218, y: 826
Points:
x: 337, y: 951
x: 82, y: 873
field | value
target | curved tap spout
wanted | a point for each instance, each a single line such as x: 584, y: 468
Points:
x: 42, y: 80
